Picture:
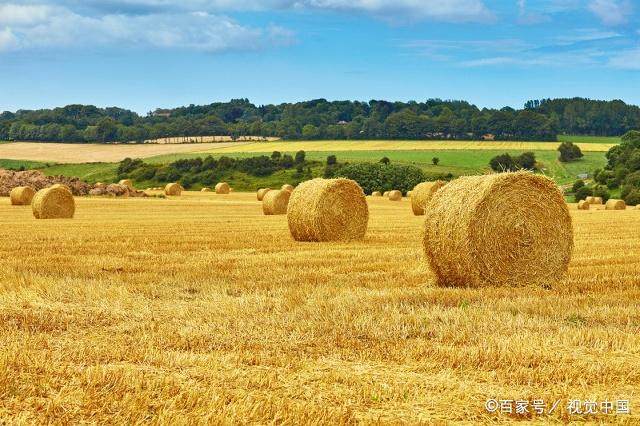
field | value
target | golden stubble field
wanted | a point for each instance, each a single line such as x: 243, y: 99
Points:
x: 200, y: 309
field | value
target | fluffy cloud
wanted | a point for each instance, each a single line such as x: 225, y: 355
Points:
x: 611, y: 12
x: 30, y: 26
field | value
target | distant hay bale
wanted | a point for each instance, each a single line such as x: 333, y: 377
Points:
x: 395, y: 195
x: 385, y: 193
x: 53, y: 203
x: 287, y: 187
x: 261, y: 193
x: 205, y: 190
x: 328, y: 210
x: 222, y: 188
x: 275, y: 202
x: 638, y: 207
x: 376, y: 194
x: 409, y: 194
x: 583, y: 205
x: 421, y: 195
x: 21, y: 195
x: 173, y: 189
x: 126, y: 182
x: 597, y: 200
x: 615, y: 205
x: 499, y: 229
x: 590, y: 200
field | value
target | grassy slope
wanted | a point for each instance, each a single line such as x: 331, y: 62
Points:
x: 588, y: 139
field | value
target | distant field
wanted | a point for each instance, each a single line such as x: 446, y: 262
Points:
x: 589, y: 139
x: 90, y: 153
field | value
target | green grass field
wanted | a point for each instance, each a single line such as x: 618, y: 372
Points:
x: 589, y: 139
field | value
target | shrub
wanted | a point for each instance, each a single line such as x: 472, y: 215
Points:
x: 569, y: 152
x: 601, y: 191
x: 583, y: 193
x: 275, y: 155
x: 577, y: 185
x: 300, y: 156
x: 503, y: 163
x: 380, y: 177
x: 287, y: 161
x: 527, y: 160
x: 435, y: 161
x: 385, y: 160
x: 633, y: 198
x: 331, y: 160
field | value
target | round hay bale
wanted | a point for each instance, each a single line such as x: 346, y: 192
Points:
x: 287, y: 187
x: 205, y: 190
x: 583, y: 205
x: 222, y: 188
x: 376, y: 194
x: 409, y: 194
x: 261, y: 193
x: 500, y: 229
x: 53, y: 203
x: 395, y: 195
x: 21, y: 195
x: 60, y: 185
x: 638, y: 207
x: 173, y: 189
x: 597, y: 200
x: 275, y: 202
x: 590, y: 200
x: 328, y: 210
x: 421, y: 195
x: 615, y: 205
x: 385, y: 193
x: 126, y: 182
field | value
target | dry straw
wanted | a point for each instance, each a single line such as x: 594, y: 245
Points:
x: 205, y: 190
x: 597, y: 200
x: 615, y: 205
x: 500, y: 229
x: 173, y: 189
x: 409, y: 194
x: 421, y: 195
x: 583, y: 205
x: 222, y: 188
x: 53, y: 203
x: 590, y: 200
x: 21, y: 195
x: 328, y: 210
x: 385, y: 193
x: 376, y: 194
x: 261, y: 193
x: 395, y: 195
x: 275, y: 202
x: 126, y: 182
x: 60, y: 185
x: 287, y: 187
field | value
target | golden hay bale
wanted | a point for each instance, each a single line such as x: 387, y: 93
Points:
x: 173, y: 189
x: 275, y: 202
x: 421, y: 195
x: 597, y: 200
x: 409, y: 194
x: 60, y: 185
x: 205, y: 190
x: 328, y: 210
x: 21, y: 195
x: 287, y: 187
x: 376, y: 194
x: 583, y: 205
x: 126, y: 182
x: 615, y: 205
x: 395, y: 195
x: 53, y: 203
x: 500, y: 229
x: 385, y: 193
x: 261, y: 193
x: 222, y: 188
x: 638, y: 207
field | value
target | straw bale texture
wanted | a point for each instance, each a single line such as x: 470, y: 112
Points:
x: 21, y: 195
x: 55, y: 202
x: 222, y: 188
x: 261, y: 193
x: 275, y: 202
x: 615, y: 205
x: 395, y: 195
x: 173, y: 189
x: 421, y: 195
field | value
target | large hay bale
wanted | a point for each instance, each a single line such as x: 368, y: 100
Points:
x: 376, y: 194
x: 287, y: 187
x: 261, y: 193
x: 597, y: 200
x: 60, y: 185
x: 222, y: 188
x: 615, y: 205
x: 395, y: 195
x: 126, y: 182
x: 21, y: 195
x: 583, y: 205
x: 328, y: 210
x: 275, y: 202
x: 421, y: 195
x: 173, y: 189
x: 55, y: 202
x: 500, y: 229
x: 590, y: 199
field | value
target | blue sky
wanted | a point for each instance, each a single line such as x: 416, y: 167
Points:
x: 143, y: 54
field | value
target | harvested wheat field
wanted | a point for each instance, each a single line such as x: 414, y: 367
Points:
x: 202, y: 310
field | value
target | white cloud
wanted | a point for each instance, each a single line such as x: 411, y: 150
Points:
x: 611, y: 12
x: 49, y: 26
x: 627, y: 60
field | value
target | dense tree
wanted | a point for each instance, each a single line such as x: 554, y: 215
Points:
x: 569, y: 152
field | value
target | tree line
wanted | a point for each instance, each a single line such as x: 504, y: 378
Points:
x: 438, y: 119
